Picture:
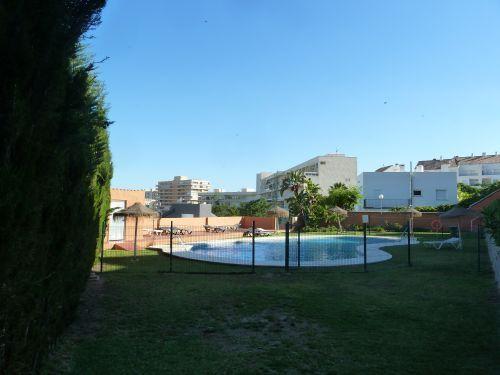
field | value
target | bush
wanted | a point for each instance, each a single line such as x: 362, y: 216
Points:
x: 492, y: 220
x: 55, y: 172
x: 393, y: 227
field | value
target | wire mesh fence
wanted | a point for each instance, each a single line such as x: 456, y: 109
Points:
x: 234, y: 249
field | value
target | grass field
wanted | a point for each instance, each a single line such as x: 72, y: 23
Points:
x: 439, y: 316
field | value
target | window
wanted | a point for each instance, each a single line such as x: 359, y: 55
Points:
x: 474, y: 182
x: 322, y: 162
x: 417, y: 193
x: 440, y: 194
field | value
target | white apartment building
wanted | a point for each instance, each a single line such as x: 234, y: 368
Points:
x: 230, y: 198
x: 470, y: 170
x: 181, y: 190
x: 323, y: 170
x: 386, y: 190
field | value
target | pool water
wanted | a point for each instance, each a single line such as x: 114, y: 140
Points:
x: 315, y: 250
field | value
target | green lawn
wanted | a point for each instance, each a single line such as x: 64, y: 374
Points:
x: 440, y: 316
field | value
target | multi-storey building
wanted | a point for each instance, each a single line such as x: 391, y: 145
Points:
x: 181, y: 190
x: 151, y: 198
x: 230, y: 198
x: 323, y: 170
x: 470, y: 170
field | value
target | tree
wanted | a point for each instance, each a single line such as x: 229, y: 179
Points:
x: 225, y: 210
x: 469, y: 194
x: 321, y: 215
x: 342, y: 196
x: 55, y: 168
x: 256, y: 208
x: 305, y: 195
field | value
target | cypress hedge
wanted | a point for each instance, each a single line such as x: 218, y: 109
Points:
x: 55, y: 172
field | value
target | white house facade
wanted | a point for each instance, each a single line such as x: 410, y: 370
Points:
x: 386, y: 190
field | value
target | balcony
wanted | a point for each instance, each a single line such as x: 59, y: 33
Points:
x: 385, y: 203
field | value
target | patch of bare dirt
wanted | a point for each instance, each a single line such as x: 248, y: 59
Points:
x: 265, y: 330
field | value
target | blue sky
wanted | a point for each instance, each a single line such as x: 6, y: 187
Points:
x: 223, y: 89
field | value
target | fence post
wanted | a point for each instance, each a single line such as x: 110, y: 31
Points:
x: 171, y: 244
x: 298, y: 248
x: 409, y: 245
x: 253, y: 247
x: 478, y: 248
x: 102, y: 246
x: 135, y: 238
x: 287, y: 246
x: 364, y: 247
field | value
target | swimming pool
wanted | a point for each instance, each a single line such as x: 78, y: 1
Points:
x: 315, y: 250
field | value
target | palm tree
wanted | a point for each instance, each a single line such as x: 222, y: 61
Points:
x: 294, y: 181
x: 305, y: 195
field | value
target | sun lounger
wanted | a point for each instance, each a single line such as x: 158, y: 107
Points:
x: 258, y: 232
x: 454, y: 242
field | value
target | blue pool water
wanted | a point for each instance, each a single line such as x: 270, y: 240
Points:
x: 315, y: 250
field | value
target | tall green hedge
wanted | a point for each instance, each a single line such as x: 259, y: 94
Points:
x: 55, y: 171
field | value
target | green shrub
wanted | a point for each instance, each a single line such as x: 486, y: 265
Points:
x: 492, y: 219
x: 393, y: 227
x: 55, y: 172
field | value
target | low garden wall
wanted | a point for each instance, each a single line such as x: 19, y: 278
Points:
x: 389, y: 218
x: 195, y: 223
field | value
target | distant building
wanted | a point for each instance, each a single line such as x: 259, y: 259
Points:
x: 151, y: 198
x: 230, y: 198
x: 323, y: 170
x: 121, y: 198
x: 392, y: 168
x: 181, y: 190
x: 186, y: 210
x: 470, y: 170
x: 386, y: 190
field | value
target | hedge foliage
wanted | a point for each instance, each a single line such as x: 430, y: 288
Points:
x: 55, y: 171
x: 492, y: 219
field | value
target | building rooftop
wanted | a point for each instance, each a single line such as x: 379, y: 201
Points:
x: 435, y: 164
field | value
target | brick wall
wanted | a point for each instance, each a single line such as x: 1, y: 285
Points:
x: 129, y: 196
x: 423, y: 222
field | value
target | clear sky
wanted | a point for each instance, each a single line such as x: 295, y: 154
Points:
x: 223, y: 89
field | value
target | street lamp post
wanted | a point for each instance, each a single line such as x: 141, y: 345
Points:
x: 381, y: 198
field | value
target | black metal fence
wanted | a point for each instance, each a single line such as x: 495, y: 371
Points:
x: 232, y: 249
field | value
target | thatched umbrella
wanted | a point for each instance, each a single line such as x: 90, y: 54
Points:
x: 413, y: 213
x: 457, y: 212
x: 278, y: 212
x: 340, y: 212
x: 136, y: 210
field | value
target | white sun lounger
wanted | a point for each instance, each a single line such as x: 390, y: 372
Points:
x: 455, y: 242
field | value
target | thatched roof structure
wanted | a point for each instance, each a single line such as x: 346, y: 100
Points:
x: 278, y: 212
x: 339, y: 210
x: 413, y: 212
x: 136, y: 210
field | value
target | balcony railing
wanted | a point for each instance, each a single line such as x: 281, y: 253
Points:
x: 385, y: 203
